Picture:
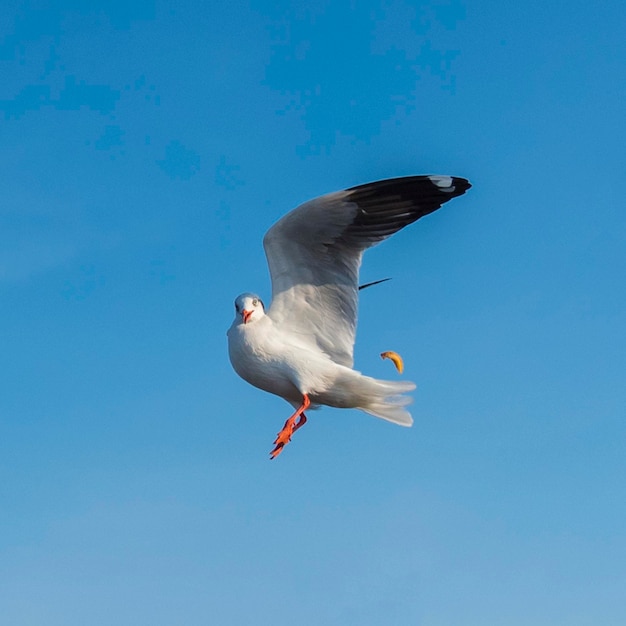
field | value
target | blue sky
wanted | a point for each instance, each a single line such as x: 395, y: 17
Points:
x: 145, y: 150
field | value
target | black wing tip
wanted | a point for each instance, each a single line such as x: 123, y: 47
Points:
x: 461, y: 185
x: 387, y: 206
x: 453, y: 185
x: 423, y: 194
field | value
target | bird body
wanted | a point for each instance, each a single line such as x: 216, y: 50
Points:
x: 302, y: 348
x: 289, y: 366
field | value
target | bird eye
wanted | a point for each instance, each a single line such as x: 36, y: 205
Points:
x: 255, y: 302
x: 236, y: 307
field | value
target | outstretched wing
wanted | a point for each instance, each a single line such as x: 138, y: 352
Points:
x: 314, y: 253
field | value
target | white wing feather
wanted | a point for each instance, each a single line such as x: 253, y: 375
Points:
x: 314, y: 277
x: 314, y: 254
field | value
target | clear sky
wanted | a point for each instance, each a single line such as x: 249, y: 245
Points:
x: 145, y: 148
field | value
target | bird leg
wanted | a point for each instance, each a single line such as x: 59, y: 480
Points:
x: 301, y: 422
x: 290, y: 427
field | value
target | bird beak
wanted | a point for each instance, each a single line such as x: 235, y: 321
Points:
x: 246, y: 315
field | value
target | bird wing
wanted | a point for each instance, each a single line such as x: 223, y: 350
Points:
x: 314, y: 254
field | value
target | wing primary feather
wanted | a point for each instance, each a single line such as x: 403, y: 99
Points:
x: 387, y: 206
x: 375, y: 282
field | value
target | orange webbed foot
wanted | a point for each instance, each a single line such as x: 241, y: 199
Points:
x: 277, y: 450
x: 284, y: 436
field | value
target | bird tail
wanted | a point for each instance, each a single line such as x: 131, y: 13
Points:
x: 385, y: 400
x: 382, y: 398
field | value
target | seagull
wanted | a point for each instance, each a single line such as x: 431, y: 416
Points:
x: 301, y: 347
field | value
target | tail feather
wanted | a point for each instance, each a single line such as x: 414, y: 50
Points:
x: 381, y: 398
x: 385, y: 400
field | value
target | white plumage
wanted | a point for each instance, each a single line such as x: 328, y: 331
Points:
x: 302, y: 348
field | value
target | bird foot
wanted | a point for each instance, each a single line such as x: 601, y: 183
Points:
x: 284, y: 436
x: 277, y: 450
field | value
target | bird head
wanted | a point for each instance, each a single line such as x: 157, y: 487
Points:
x: 249, y: 308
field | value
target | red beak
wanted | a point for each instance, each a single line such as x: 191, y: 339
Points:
x: 246, y: 315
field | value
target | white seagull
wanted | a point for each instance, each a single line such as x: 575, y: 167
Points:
x: 301, y: 348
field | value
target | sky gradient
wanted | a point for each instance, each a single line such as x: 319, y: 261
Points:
x: 146, y: 148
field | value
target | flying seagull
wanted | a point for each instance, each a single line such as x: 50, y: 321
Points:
x: 301, y: 348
